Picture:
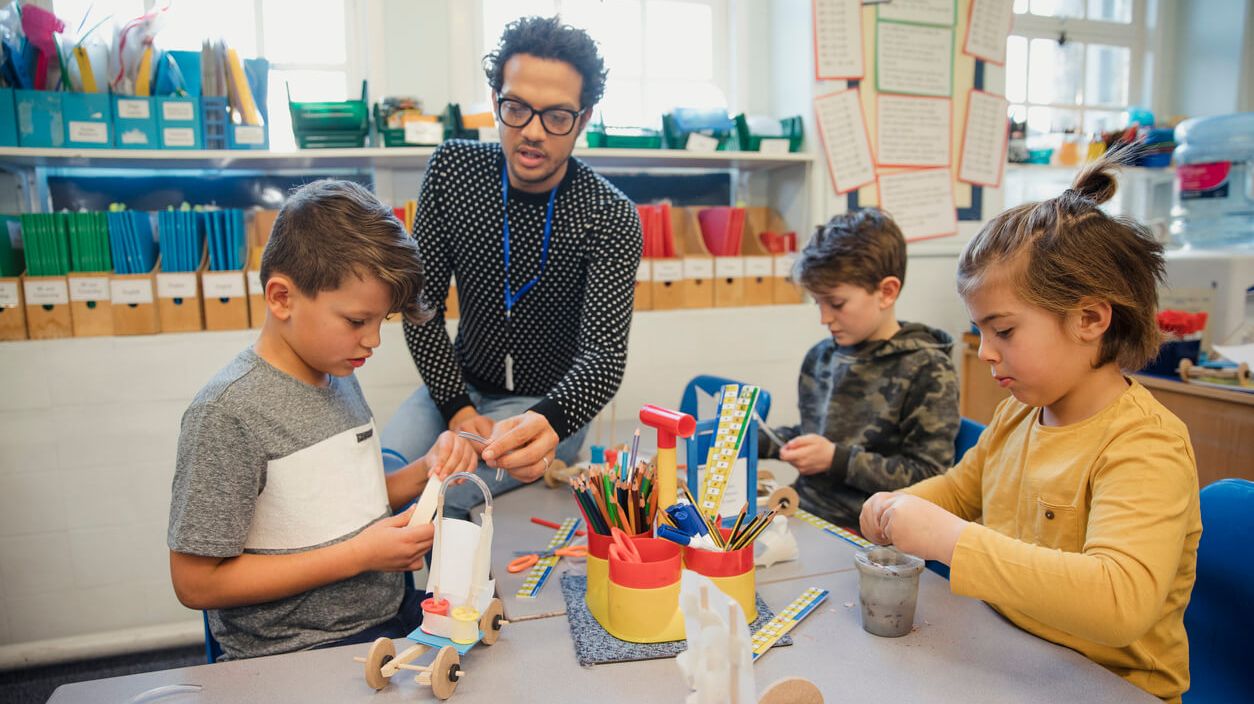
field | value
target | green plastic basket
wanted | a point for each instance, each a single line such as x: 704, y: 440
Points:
x: 675, y: 138
x: 791, y: 128
x: 327, y: 117
x: 601, y: 137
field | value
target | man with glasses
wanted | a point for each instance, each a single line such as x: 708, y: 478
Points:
x: 544, y: 253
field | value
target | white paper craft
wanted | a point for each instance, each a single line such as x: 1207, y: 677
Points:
x: 921, y: 202
x: 914, y: 60
x: 984, y: 140
x: 913, y: 131
x: 838, y: 39
x: 845, y: 142
x: 988, y: 28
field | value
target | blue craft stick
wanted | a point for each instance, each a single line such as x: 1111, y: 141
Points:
x: 241, y: 245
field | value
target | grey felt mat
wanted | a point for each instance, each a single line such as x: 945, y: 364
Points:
x: 594, y: 646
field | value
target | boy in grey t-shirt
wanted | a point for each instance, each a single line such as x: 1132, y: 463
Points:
x: 281, y: 520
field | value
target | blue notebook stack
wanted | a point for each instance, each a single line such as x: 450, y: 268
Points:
x: 182, y: 238
x: 131, y: 242
x: 227, y: 237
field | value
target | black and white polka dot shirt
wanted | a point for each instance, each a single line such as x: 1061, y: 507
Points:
x: 567, y: 336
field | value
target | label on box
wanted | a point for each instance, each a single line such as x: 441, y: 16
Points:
x: 417, y: 132
x: 176, y: 285
x: 223, y: 284
x: 254, y: 283
x: 490, y: 135
x: 250, y: 134
x: 644, y: 272
x: 91, y: 132
x: 47, y: 293
x: 758, y: 266
x: 131, y: 291
x: 90, y: 288
x: 773, y: 145
x: 178, y: 137
x: 698, y: 267
x: 133, y: 109
x: 729, y: 267
x: 668, y: 270
x: 783, y: 265
x: 8, y: 295
x: 698, y: 142
x: 133, y: 136
x: 181, y: 110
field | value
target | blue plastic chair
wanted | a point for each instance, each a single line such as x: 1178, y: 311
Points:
x: 968, y: 434
x: 1220, y: 615
x: 213, y: 650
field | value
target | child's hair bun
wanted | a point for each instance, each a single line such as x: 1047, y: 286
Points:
x: 1096, y: 181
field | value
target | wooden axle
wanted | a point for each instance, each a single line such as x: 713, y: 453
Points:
x: 1189, y: 371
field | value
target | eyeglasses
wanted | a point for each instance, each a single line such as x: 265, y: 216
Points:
x: 517, y: 114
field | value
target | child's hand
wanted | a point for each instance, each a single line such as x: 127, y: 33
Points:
x: 469, y: 420
x: 872, y: 512
x: 913, y: 525
x: 810, y: 453
x: 450, y: 453
x: 390, y: 545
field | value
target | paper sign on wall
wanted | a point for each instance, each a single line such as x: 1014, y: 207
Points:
x: 914, y: 59
x: 913, y: 131
x: 988, y: 29
x: 938, y: 12
x: 845, y: 142
x: 984, y: 140
x: 837, y: 39
x: 921, y: 202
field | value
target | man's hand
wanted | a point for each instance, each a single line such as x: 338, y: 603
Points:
x: 451, y: 453
x: 523, y: 445
x: 810, y: 453
x: 912, y: 525
x: 390, y: 545
x: 469, y: 420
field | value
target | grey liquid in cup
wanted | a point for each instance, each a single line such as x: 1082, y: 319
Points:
x: 888, y: 589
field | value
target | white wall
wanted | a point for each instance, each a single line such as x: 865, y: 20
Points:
x: 1210, y: 71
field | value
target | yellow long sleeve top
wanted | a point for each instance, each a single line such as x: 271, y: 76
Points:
x: 1087, y: 533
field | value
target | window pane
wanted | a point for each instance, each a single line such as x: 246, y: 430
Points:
x: 1052, y: 121
x: 305, y: 86
x: 1106, y: 76
x: 1111, y: 10
x: 1098, y: 121
x: 1054, y: 72
x: 623, y: 105
x: 1058, y: 8
x: 616, y: 26
x: 1018, y: 113
x: 188, y: 24
x: 679, y: 40
x: 1016, y: 69
x: 663, y: 96
x: 1021, y: 6
x: 498, y: 13
x: 291, y: 38
x: 81, y: 15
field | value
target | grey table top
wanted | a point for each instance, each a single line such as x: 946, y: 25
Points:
x: 961, y: 651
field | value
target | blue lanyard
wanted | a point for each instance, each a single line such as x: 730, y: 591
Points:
x: 510, y: 297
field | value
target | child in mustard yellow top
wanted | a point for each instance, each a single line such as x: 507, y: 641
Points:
x: 1076, y: 515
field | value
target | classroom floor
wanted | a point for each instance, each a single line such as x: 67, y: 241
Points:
x: 35, y: 685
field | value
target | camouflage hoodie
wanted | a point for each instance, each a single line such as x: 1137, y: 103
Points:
x: 890, y: 407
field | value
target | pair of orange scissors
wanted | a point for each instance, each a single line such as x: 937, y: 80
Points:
x: 529, y: 560
x: 622, y: 548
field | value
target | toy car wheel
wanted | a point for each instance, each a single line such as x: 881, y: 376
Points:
x: 381, y: 653
x: 490, y: 622
x: 445, y: 671
x: 785, y: 499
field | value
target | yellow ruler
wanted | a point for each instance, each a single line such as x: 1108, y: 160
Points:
x: 833, y: 529
x: 735, y: 409
x: 786, y: 620
x: 540, y: 572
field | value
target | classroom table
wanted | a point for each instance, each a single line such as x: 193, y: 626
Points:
x: 961, y: 650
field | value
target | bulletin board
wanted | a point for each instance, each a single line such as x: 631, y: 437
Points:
x: 916, y: 152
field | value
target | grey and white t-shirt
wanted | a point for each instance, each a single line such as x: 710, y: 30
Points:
x: 268, y: 464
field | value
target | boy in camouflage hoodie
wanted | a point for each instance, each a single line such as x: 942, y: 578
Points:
x: 879, y: 399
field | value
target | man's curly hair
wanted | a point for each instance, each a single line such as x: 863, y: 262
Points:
x: 548, y: 38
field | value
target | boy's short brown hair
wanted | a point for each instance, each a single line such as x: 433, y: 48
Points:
x: 1066, y: 249
x: 861, y: 248
x: 330, y: 229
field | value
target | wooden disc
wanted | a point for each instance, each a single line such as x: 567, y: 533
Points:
x: 381, y: 652
x: 793, y: 690
x: 490, y: 623
x: 765, y: 475
x: 442, y: 669
x: 1183, y: 369
x: 785, y: 499
x: 556, y: 474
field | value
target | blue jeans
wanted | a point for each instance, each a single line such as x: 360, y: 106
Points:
x: 417, y: 423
